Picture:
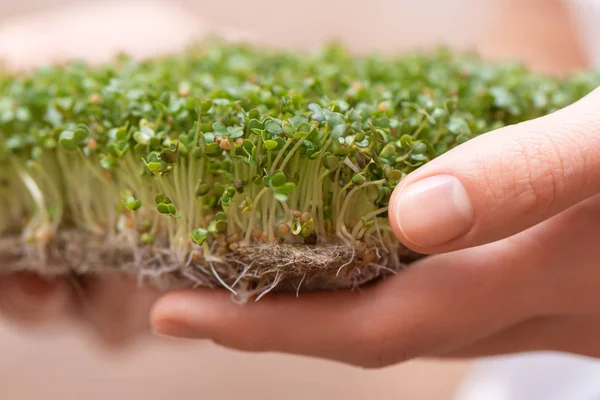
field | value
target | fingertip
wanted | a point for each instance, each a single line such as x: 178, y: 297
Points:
x: 430, y: 213
x: 186, y: 313
x: 29, y: 298
x: 183, y: 303
x: 394, y: 217
x: 163, y: 311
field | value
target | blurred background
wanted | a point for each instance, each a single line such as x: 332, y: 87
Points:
x: 548, y: 35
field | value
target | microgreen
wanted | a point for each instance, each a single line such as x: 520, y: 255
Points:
x: 237, y: 145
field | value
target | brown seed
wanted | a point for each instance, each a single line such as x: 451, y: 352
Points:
x: 265, y: 238
x: 43, y: 236
x: 233, y: 246
x: 306, y: 216
x: 169, y: 119
x: 369, y: 256
x: 296, y: 214
x: 257, y: 233
x: 95, y: 98
x: 197, y: 256
x: 130, y: 223
x: 184, y: 91
x: 224, y: 144
x: 239, y: 141
x: 208, y: 219
x: 382, y: 107
x: 357, y: 86
x: 284, y: 229
x: 92, y: 144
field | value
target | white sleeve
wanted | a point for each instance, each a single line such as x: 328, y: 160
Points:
x: 527, y: 376
x: 587, y: 17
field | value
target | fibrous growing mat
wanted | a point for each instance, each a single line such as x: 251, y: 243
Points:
x: 235, y: 166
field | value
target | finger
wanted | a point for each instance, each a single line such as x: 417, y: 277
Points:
x: 501, y: 183
x: 440, y: 303
x: 30, y: 299
x: 567, y: 248
x: 571, y: 334
x: 116, y: 308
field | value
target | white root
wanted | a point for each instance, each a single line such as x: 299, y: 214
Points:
x: 251, y: 271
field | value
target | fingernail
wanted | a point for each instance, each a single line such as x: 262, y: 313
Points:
x: 176, y: 329
x: 433, y: 211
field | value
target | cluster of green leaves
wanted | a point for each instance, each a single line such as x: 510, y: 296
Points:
x: 252, y: 120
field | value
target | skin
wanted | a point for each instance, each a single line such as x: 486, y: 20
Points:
x: 524, y: 277
x: 515, y: 291
x: 113, y: 310
x: 516, y: 271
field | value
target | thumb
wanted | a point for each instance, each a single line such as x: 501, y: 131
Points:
x: 501, y: 183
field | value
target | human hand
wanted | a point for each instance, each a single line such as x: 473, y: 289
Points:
x: 511, y: 220
x: 114, y: 309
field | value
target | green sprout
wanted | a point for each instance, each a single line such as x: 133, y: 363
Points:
x: 269, y: 165
x: 130, y: 202
x: 199, y: 236
x: 165, y: 206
